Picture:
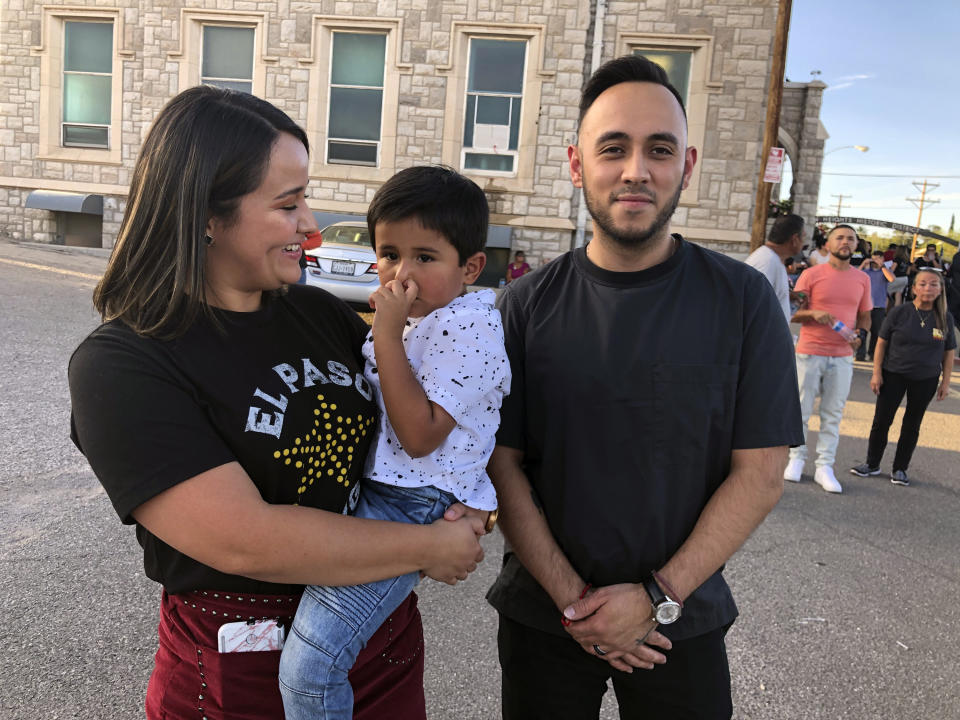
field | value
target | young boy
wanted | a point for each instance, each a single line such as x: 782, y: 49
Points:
x: 436, y: 355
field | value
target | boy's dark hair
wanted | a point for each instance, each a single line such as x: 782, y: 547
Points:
x: 784, y: 228
x: 441, y: 199
x: 628, y: 68
x: 875, y: 253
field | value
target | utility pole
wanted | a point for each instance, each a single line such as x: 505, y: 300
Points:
x: 840, y: 198
x: 770, y: 128
x: 919, y: 202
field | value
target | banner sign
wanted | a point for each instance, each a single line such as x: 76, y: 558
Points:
x: 839, y: 219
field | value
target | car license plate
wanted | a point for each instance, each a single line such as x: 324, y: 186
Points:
x: 342, y: 267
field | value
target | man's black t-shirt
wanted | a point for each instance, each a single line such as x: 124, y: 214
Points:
x: 280, y: 391
x: 915, y: 350
x: 630, y: 391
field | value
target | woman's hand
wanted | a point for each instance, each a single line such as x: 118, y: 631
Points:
x: 456, y: 550
x: 943, y: 390
x: 876, y: 381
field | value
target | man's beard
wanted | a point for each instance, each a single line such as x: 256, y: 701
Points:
x: 626, y: 239
x: 838, y: 256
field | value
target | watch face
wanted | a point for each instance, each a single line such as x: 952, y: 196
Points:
x: 668, y: 612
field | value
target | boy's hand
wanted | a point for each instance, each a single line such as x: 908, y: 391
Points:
x: 392, y: 303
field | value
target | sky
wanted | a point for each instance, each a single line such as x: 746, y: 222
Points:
x: 893, y: 76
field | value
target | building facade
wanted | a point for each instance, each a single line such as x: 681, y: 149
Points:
x: 489, y: 87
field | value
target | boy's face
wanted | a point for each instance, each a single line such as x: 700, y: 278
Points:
x: 408, y: 251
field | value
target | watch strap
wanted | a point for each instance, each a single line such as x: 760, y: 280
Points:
x: 657, y: 595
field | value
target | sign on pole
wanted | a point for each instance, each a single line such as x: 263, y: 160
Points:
x: 774, y: 170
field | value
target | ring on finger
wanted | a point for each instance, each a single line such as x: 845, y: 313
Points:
x: 598, y: 651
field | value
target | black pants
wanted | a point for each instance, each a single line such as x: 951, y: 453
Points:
x: 919, y: 394
x: 876, y: 322
x: 546, y: 677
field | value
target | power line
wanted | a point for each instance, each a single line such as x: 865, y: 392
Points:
x: 877, y: 175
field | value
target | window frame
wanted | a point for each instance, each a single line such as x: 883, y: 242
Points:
x: 378, y: 144
x: 700, y: 87
x: 479, y: 150
x: 206, y: 79
x: 521, y: 179
x: 320, y: 66
x: 51, y: 52
x: 74, y: 73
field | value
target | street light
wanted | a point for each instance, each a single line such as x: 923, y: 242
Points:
x: 861, y: 148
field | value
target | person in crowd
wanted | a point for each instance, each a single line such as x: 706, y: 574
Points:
x: 783, y: 242
x: 951, y: 279
x: 225, y: 411
x: 819, y: 254
x: 836, y: 292
x: 436, y: 359
x: 929, y: 259
x: 900, y: 267
x: 793, y: 270
x: 880, y: 277
x: 631, y: 463
x: 914, y: 357
x: 890, y: 252
x: 860, y: 254
x: 518, y: 268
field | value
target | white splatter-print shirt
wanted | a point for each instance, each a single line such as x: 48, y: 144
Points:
x: 457, y: 356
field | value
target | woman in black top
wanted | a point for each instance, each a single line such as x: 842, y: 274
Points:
x: 225, y: 412
x: 914, y: 356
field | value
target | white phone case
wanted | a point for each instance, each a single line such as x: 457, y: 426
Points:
x: 250, y: 636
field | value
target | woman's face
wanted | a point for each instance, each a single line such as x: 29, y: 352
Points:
x: 260, y: 249
x: 927, y: 287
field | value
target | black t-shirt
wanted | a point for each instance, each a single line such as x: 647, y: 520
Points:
x: 913, y: 350
x: 630, y: 391
x: 280, y: 391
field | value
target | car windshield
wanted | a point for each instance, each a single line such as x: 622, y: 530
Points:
x: 354, y: 236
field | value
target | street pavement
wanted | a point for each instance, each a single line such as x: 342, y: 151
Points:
x: 850, y: 604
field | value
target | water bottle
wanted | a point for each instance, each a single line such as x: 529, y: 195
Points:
x: 845, y: 332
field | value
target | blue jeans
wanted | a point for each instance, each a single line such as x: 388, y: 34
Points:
x: 333, y: 624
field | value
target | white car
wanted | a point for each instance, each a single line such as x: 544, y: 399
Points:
x: 345, y: 263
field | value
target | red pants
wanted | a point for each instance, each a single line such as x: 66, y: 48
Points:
x: 192, y: 680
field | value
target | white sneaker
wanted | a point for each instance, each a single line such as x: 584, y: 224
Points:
x: 793, y: 470
x: 825, y: 478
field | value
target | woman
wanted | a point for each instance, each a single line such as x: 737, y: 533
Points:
x: 819, y: 254
x: 226, y: 414
x: 914, y: 356
x: 518, y: 268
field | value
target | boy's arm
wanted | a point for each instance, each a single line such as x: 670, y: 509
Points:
x: 421, y: 425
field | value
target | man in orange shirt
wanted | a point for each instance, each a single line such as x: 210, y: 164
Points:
x: 837, y: 292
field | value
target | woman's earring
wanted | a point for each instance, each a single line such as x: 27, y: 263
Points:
x: 210, y: 240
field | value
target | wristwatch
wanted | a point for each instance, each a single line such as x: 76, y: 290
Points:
x: 665, y: 610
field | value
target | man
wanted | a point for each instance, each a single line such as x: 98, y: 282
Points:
x: 835, y: 291
x: 929, y: 259
x: 645, y: 436
x: 784, y: 241
x: 875, y: 270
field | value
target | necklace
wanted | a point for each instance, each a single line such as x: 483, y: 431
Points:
x: 923, y: 318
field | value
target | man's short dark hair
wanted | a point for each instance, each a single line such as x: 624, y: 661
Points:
x: 877, y: 252
x: 841, y: 226
x: 629, y: 68
x: 784, y: 228
x: 441, y: 199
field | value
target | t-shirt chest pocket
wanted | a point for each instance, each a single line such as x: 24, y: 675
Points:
x: 694, y: 405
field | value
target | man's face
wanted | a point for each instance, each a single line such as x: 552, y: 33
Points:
x: 841, y: 243
x: 632, y: 161
x: 796, y: 243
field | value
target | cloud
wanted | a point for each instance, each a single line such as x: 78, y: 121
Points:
x: 845, y: 81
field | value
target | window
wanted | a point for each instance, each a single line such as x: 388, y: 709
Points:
x: 677, y: 65
x: 491, y: 127
x: 227, y: 57
x: 87, y: 84
x: 356, y: 98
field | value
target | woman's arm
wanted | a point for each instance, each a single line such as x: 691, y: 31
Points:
x: 876, y: 380
x: 219, y: 519
x: 944, y: 389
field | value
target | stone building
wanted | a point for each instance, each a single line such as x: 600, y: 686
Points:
x: 489, y: 87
